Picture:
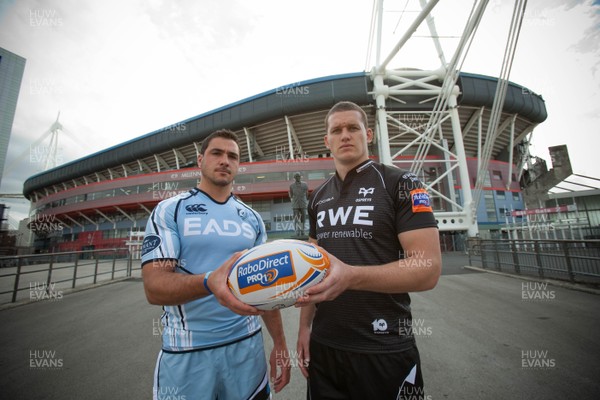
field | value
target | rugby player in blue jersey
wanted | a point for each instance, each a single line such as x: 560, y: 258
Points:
x: 377, y: 224
x: 212, y: 343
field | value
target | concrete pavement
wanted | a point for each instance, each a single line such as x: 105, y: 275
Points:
x: 481, y: 336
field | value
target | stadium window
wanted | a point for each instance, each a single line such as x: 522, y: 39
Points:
x: 317, y: 174
x: 490, y: 206
x: 282, y: 200
x: 497, y: 175
x: 516, y: 196
x: 500, y: 195
x: 486, y: 181
x: 513, y: 177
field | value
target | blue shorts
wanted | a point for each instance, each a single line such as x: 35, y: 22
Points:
x: 231, y: 372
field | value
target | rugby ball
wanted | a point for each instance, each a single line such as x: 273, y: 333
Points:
x: 273, y: 275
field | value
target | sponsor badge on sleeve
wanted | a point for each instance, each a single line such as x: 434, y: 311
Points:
x: 420, y: 201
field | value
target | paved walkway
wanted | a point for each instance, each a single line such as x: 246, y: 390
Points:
x: 481, y: 336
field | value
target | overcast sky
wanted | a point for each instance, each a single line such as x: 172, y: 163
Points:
x: 118, y: 69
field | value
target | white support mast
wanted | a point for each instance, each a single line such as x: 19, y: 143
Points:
x: 436, y: 87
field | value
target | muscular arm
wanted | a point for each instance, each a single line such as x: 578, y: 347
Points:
x: 419, y: 271
x: 164, y: 286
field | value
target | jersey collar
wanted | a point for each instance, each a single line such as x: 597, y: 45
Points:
x: 356, y: 170
x: 197, y: 190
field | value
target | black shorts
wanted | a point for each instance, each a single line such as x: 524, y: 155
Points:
x: 337, y: 374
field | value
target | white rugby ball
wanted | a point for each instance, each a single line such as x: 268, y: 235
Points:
x: 273, y: 275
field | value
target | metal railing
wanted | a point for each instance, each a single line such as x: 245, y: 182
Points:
x: 573, y: 260
x: 46, y: 275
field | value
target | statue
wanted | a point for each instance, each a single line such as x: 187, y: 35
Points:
x: 299, y: 195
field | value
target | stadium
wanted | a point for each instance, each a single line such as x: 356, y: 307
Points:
x: 103, y: 200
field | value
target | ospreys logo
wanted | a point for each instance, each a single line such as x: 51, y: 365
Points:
x: 365, y: 191
x: 196, y: 209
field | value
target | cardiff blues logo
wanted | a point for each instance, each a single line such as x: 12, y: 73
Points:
x: 242, y: 213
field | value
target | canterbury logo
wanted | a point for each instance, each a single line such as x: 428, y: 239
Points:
x: 365, y: 191
x: 195, y: 208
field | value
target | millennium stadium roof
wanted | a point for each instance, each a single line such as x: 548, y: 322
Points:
x: 268, y: 117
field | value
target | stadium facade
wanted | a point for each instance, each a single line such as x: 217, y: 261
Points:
x: 103, y: 200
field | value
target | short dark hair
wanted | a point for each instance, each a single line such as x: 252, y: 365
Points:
x: 222, y: 133
x: 347, y: 106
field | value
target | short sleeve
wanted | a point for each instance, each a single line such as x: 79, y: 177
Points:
x: 413, y: 204
x: 261, y: 237
x: 161, y: 239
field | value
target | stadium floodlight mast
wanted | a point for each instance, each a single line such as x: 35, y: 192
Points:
x: 424, y: 85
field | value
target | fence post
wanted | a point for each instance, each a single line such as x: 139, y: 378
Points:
x: 112, y: 275
x: 482, y: 251
x: 538, y: 257
x: 75, y: 270
x: 565, y: 246
x: 129, y: 263
x: 497, y: 256
x: 96, y: 269
x: 17, y: 276
x: 513, y: 246
x: 49, y: 273
x: 469, y: 248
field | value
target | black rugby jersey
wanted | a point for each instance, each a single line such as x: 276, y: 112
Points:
x: 358, y: 221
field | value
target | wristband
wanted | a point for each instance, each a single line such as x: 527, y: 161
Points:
x: 206, y: 275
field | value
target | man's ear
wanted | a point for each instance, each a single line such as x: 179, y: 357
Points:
x: 369, y: 135
x: 199, y: 160
x: 326, y: 141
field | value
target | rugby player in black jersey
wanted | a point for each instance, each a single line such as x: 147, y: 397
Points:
x: 355, y: 339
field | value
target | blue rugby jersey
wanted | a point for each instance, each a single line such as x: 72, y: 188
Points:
x: 201, y: 234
